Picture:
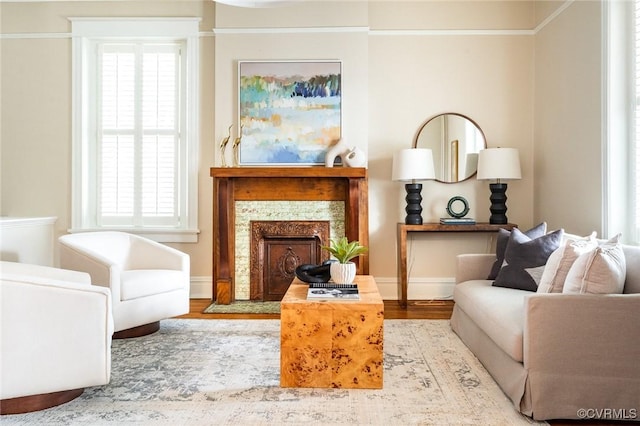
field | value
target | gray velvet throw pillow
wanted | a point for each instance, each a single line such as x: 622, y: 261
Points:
x: 524, y: 259
x: 501, y: 245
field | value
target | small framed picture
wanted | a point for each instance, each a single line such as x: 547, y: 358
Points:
x: 290, y: 112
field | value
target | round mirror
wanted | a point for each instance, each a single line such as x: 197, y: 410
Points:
x: 455, y: 141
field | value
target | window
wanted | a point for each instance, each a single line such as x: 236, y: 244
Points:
x: 622, y: 120
x: 135, y: 127
x: 635, y: 152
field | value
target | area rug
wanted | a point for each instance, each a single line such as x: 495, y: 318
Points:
x: 226, y: 372
x: 244, y: 307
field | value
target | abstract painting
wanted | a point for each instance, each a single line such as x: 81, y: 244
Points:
x: 290, y: 111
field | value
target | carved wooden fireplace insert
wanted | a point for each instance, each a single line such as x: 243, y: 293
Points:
x: 231, y: 184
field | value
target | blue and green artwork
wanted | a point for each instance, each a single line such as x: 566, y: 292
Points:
x: 290, y: 112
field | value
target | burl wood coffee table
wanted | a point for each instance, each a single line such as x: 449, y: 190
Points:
x: 332, y: 344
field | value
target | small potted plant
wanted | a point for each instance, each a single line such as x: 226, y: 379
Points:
x: 344, y: 271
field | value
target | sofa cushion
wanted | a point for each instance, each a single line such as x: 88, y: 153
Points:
x: 558, y: 265
x: 525, y: 258
x: 600, y: 271
x: 497, y: 311
x: 147, y: 282
x: 501, y: 245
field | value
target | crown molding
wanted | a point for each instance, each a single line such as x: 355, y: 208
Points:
x: 445, y: 32
x: 316, y: 30
x: 553, y: 16
x: 259, y: 4
x: 290, y: 30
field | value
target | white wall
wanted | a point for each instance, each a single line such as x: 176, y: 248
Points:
x: 393, y: 82
x: 568, y: 120
x: 488, y: 78
x: 404, y: 62
x: 35, y: 108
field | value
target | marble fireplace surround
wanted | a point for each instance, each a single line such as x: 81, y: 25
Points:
x: 245, y: 194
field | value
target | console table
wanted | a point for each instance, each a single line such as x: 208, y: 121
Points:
x: 403, y: 230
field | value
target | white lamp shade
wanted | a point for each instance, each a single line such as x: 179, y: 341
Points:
x: 413, y: 164
x: 499, y: 163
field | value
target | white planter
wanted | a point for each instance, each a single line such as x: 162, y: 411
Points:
x: 343, y: 273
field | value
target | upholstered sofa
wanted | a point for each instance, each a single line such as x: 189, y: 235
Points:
x: 55, y: 336
x: 555, y: 355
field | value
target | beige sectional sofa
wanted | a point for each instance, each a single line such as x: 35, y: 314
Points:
x: 555, y: 355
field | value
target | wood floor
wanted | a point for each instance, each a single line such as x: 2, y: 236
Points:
x: 431, y: 309
x: 417, y: 309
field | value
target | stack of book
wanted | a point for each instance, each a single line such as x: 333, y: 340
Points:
x: 457, y: 221
x: 331, y: 291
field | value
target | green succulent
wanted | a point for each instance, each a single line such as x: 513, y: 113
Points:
x: 343, y: 250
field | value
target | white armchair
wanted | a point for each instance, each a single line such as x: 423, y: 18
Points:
x: 55, y: 336
x: 148, y: 280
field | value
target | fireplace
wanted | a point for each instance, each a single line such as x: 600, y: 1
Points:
x: 249, y: 212
x: 240, y: 189
x: 278, y: 248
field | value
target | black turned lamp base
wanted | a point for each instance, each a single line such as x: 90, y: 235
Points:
x: 498, y: 203
x: 413, y: 209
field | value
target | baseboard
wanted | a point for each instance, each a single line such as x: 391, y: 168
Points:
x: 420, y: 288
x: 201, y: 288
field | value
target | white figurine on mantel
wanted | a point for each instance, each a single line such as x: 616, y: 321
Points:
x: 353, y: 157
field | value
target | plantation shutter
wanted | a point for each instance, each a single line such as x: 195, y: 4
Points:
x: 138, y: 131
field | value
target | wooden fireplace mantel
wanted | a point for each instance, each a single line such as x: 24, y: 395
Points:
x: 231, y: 184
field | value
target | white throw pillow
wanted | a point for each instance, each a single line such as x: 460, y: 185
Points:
x: 560, y: 262
x: 600, y: 271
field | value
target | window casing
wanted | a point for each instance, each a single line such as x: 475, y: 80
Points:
x: 634, y: 193
x: 135, y: 130
x: 621, y: 133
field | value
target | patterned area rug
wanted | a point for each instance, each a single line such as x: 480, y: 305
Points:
x: 226, y: 372
x: 244, y: 307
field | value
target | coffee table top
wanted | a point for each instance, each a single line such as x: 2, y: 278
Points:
x: 367, y: 287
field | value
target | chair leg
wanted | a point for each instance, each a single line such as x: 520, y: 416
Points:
x: 27, y: 404
x: 141, y: 330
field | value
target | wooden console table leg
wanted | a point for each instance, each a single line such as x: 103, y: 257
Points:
x: 402, y: 265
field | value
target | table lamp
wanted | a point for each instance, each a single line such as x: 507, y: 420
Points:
x: 411, y: 165
x: 498, y: 164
